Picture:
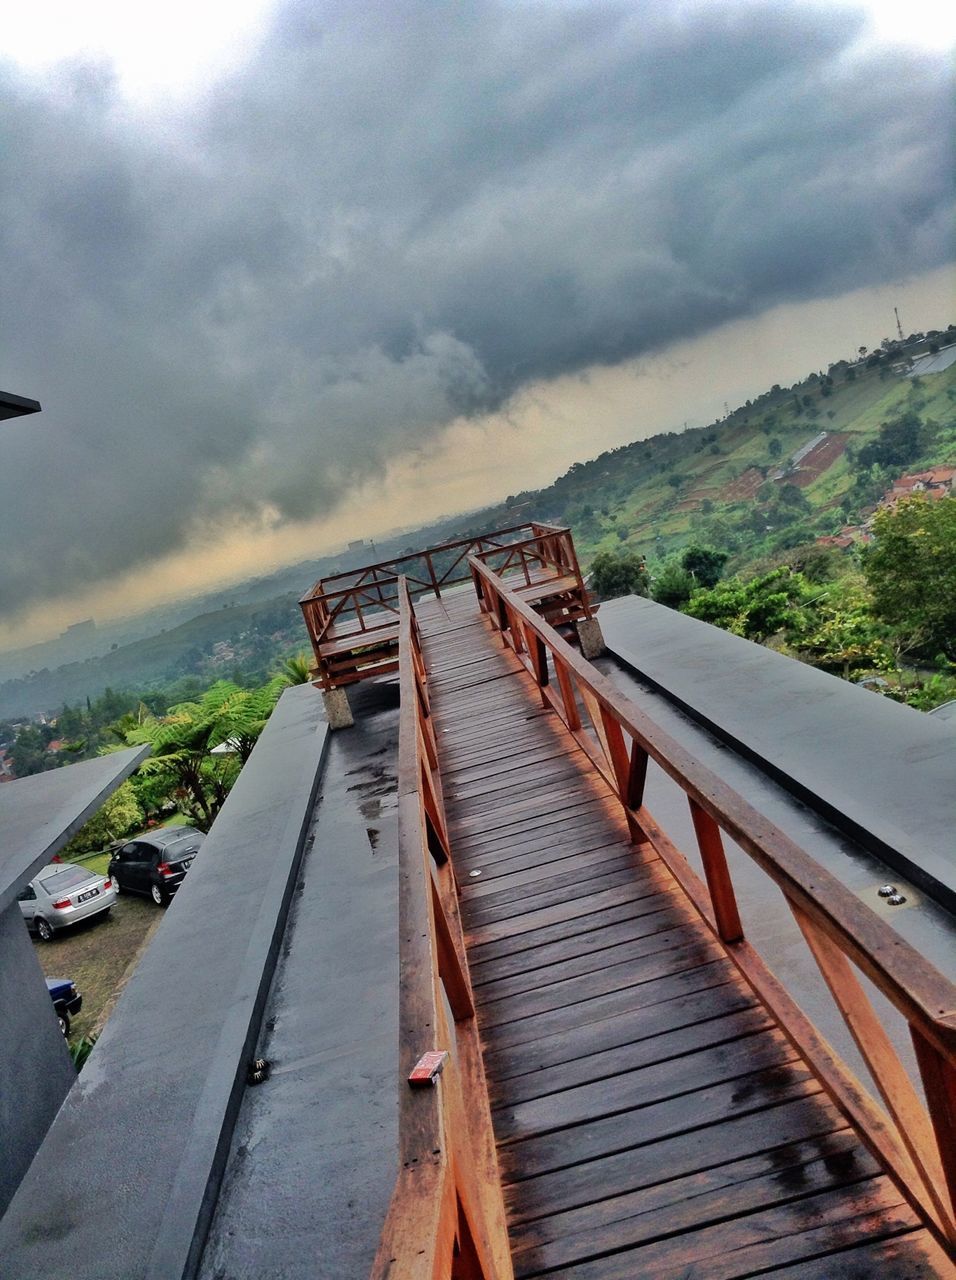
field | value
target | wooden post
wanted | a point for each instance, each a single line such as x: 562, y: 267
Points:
x: 571, y: 717
x: 939, y: 1083
x: 888, y: 1073
x: 717, y: 873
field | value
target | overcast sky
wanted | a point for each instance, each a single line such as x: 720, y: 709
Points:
x: 265, y: 308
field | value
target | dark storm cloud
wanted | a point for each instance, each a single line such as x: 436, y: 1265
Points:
x: 401, y: 213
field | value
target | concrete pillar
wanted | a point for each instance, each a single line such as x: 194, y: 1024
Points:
x: 337, y: 709
x: 590, y: 637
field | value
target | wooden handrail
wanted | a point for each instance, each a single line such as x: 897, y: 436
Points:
x: 320, y: 588
x: 917, y: 1144
x: 348, y: 595
x: 446, y: 1215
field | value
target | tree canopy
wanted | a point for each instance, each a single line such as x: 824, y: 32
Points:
x: 705, y: 564
x: 624, y: 574
x: 757, y: 608
x: 183, y: 743
x: 911, y: 571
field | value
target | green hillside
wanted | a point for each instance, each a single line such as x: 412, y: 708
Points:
x: 719, y: 485
x: 716, y: 484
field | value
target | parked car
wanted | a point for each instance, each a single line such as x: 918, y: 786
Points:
x: 62, y: 894
x: 155, y: 864
x: 67, y: 1001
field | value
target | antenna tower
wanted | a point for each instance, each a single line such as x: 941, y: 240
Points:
x: 899, y: 327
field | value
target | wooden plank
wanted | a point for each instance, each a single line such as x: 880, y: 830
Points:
x: 689, y: 1203
x: 599, y: 982
x: 782, y: 1234
x: 641, y: 1086
x: 548, y: 975
x: 913, y: 1256
x: 594, y: 879
x: 558, y: 832
x: 500, y: 877
x: 668, y: 898
x: 628, y: 1057
x: 696, y: 977
x: 494, y: 765
x: 589, y: 904
x: 571, y: 1050
x: 667, y: 914
x: 627, y: 1129
x: 799, y: 1113
x: 491, y: 794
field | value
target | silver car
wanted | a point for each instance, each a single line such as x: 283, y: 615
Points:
x: 63, y: 894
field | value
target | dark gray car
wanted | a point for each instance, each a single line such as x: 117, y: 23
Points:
x: 155, y: 864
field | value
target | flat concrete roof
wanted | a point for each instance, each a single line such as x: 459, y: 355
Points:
x: 878, y: 771
x: 39, y: 814
x: 314, y: 1156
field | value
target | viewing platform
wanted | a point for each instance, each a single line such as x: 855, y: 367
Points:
x: 353, y: 618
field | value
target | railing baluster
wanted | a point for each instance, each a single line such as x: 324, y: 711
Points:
x: 450, y: 965
x: 717, y: 875
x: 571, y: 716
x: 431, y: 575
x: 593, y: 708
x: 939, y: 1083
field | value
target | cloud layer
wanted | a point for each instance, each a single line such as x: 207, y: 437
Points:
x: 401, y: 214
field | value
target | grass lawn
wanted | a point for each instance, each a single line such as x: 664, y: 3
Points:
x: 97, y: 954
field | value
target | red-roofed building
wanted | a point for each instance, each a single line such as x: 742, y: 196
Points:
x: 932, y: 484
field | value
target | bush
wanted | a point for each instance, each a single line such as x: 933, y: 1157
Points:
x: 673, y: 585
x: 704, y: 564
x: 624, y: 574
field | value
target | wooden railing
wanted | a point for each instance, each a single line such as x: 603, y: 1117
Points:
x: 916, y: 1143
x: 361, y: 608
x: 446, y: 1217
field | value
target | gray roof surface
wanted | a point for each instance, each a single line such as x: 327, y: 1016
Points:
x: 134, y: 1157
x: 39, y: 814
x: 314, y: 1156
x: 883, y: 773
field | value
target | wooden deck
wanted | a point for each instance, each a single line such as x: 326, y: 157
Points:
x: 651, y: 1120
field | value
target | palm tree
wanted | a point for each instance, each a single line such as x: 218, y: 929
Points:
x: 183, y: 743
x: 297, y: 669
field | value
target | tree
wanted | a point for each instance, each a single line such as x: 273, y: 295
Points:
x: 29, y: 752
x: 704, y: 564
x: 841, y: 633
x: 118, y: 815
x: 673, y: 585
x: 774, y: 447
x: 911, y: 570
x: 757, y: 608
x: 624, y: 574
x: 296, y: 670
x: 183, y: 743
x: 900, y: 442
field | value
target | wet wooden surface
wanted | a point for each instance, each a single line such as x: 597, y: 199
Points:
x: 651, y: 1120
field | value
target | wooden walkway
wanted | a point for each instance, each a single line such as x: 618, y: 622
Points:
x: 651, y: 1120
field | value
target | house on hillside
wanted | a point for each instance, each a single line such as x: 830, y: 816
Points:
x: 933, y: 484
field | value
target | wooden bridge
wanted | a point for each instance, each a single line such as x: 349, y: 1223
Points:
x: 627, y: 1090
